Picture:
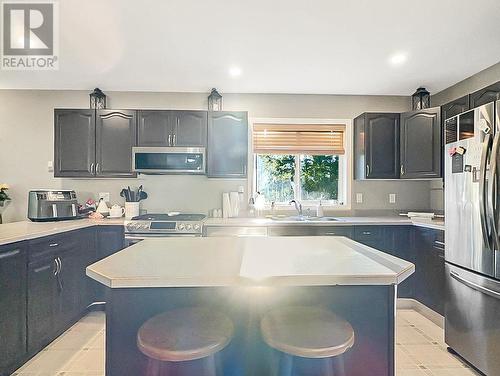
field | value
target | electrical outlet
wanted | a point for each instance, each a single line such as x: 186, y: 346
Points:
x: 359, y: 198
x: 104, y: 196
x: 50, y: 166
x: 392, y: 198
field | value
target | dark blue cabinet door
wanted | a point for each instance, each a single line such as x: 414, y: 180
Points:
x: 189, y: 128
x: 74, y: 143
x: 376, y: 146
x: 116, y: 134
x: 13, y: 279
x: 42, y: 302
x: 421, y: 150
x: 227, y: 144
x: 485, y: 95
x: 455, y: 107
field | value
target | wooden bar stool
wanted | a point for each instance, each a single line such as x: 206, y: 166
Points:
x: 184, y: 341
x: 308, y: 332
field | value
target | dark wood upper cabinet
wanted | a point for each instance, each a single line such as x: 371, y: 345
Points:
x: 13, y: 285
x: 227, y: 151
x: 90, y: 143
x: 172, y: 128
x: 74, y: 143
x: 154, y: 128
x: 485, y: 95
x: 421, y: 144
x: 455, y: 107
x: 116, y: 134
x: 376, y: 146
x: 189, y: 128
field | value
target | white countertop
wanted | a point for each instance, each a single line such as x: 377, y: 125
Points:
x: 342, y: 221
x: 25, y: 230
x: 283, y: 261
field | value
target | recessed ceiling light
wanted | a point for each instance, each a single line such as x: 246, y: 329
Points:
x: 234, y: 71
x: 398, y: 58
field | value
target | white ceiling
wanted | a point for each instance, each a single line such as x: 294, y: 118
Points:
x: 281, y: 46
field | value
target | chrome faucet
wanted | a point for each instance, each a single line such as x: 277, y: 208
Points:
x: 298, y: 206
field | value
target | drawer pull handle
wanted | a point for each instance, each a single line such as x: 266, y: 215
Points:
x: 42, y: 268
x: 438, y: 243
x: 330, y: 233
x: 54, y: 245
x: 367, y: 233
x: 10, y: 253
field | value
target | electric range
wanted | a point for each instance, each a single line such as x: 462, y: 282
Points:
x: 162, y: 225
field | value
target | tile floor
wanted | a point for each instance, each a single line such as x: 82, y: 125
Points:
x: 420, y: 350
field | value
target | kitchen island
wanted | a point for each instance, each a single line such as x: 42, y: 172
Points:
x: 245, y: 277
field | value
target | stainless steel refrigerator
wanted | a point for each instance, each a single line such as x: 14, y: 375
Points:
x: 472, y: 243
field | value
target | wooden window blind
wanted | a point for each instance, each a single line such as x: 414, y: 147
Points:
x: 311, y: 139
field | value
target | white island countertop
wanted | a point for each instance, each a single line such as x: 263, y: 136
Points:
x: 243, y: 261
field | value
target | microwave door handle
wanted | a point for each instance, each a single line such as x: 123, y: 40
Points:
x: 492, y: 191
x: 482, y: 190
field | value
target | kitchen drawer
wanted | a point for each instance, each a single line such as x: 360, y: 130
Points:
x: 368, y: 232
x: 235, y: 231
x: 48, y: 245
x: 310, y: 230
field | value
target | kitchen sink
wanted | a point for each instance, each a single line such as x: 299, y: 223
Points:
x: 303, y: 218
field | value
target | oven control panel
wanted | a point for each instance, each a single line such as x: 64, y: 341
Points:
x: 159, y: 227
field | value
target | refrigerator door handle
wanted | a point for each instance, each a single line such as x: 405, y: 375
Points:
x: 492, y: 190
x: 482, y: 190
x: 475, y: 286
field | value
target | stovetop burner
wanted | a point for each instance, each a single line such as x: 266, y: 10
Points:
x: 166, y: 217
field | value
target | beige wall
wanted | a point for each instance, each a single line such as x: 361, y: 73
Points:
x: 469, y: 85
x: 26, y: 145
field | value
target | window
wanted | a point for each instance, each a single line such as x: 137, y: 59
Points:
x: 302, y: 162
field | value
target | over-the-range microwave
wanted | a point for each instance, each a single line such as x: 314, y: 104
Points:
x: 169, y: 160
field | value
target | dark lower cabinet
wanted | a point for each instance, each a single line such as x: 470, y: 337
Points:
x: 58, y: 289
x: 42, y: 298
x: 430, y: 278
x: 109, y: 240
x: 13, y: 284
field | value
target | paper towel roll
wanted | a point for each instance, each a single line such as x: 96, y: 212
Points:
x: 226, y: 206
x: 235, y: 203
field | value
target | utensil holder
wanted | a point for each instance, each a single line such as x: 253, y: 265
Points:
x: 132, y: 209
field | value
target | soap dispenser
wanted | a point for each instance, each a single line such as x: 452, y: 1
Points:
x: 319, y: 210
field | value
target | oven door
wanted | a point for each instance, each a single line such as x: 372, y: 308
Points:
x: 131, y: 239
x: 169, y: 160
